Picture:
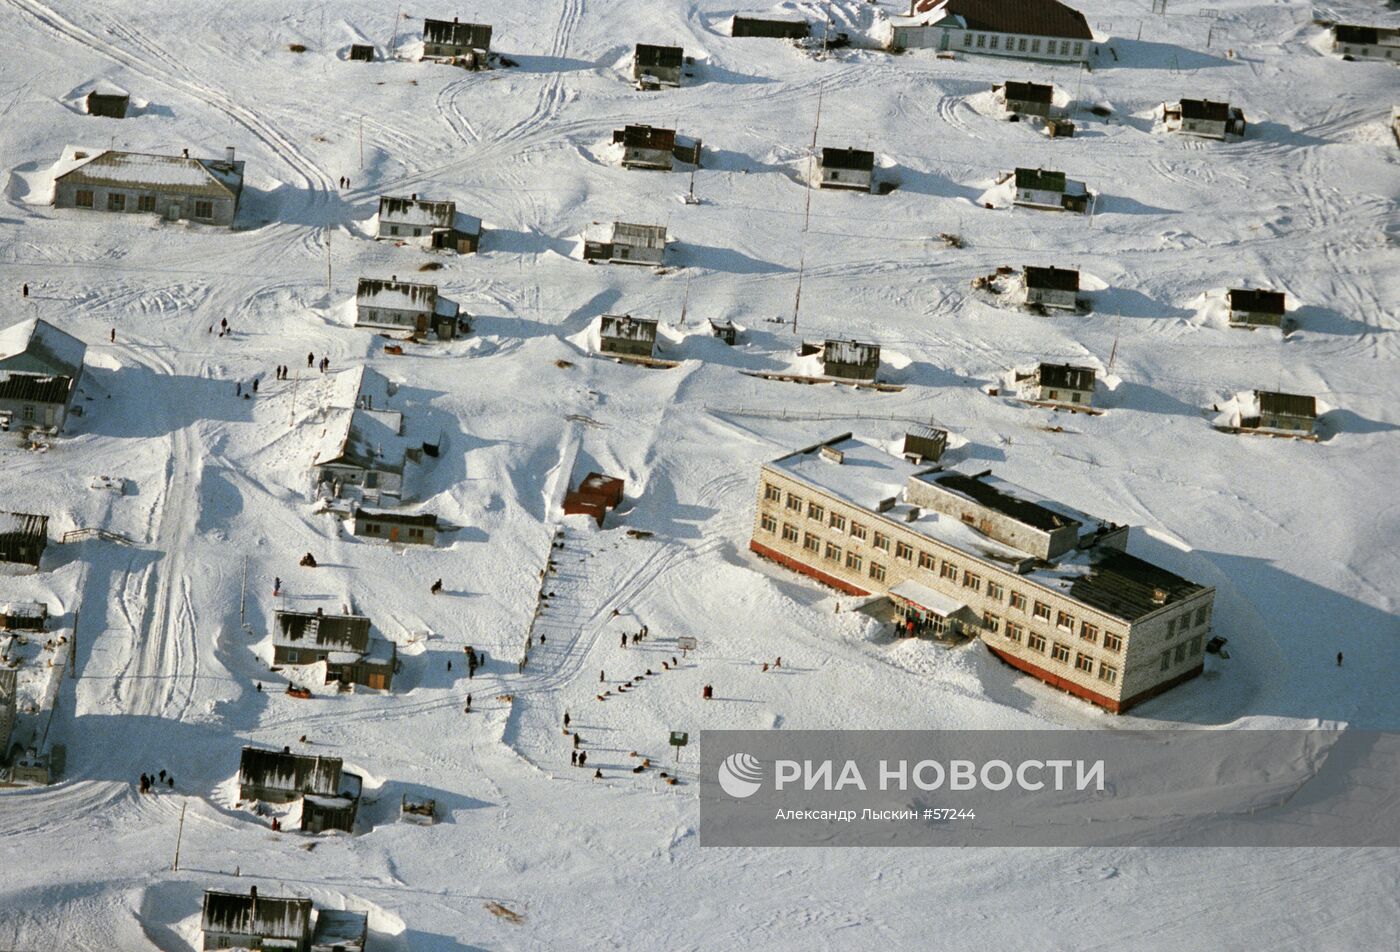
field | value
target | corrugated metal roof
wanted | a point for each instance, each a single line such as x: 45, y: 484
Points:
x: 398, y: 518
x: 1263, y: 302
x: 1029, y: 92
x: 1040, y: 180
x: 396, y: 295
x: 41, y: 343
x: 639, y: 236
x: 325, y: 631
x: 1028, y: 17
x: 415, y: 211
x: 1361, y: 35
x: 1126, y: 587
x: 627, y: 327
x: 25, y: 524
x: 1204, y: 109
x: 1052, y: 278
x: 850, y: 352
x: 1273, y: 403
x: 666, y: 57
x: 1068, y: 376
x: 858, y: 160
x: 34, y: 388
x: 295, y: 773
x: 475, y: 35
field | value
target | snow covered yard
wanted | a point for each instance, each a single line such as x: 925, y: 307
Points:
x: 1298, y: 538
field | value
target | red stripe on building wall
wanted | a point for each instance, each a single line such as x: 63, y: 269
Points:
x: 803, y: 568
x: 1093, y: 697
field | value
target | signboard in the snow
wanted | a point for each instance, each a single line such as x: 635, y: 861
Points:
x: 686, y: 643
x: 679, y: 738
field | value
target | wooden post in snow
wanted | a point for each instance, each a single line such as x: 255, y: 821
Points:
x: 179, y: 835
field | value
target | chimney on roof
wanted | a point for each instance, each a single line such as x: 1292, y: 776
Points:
x: 286, y: 750
x: 185, y: 152
x: 394, y: 278
x: 832, y: 455
x: 415, y: 196
x: 1159, y: 596
x: 228, y: 155
x: 253, y: 891
x: 454, y: 19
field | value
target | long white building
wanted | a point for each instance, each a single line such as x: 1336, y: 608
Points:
x: 1027, y: 29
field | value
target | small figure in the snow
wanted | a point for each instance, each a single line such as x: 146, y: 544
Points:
x: 573, y: 758
x: 566, y: 718
x: 578, y: 741
x: 601, y: 677
x: 114, y: 335
x: 255, y: 384
x: 779, y: 662
x: 308, y: 560
x: 310, y: 358
x: 436, y: 587
x: 1339, y: 659
x: 708, y: 692
x: 541, y: 638
x: 238, y: 388
x: 449, y: 664
x: 223, y: 323
x: 24, y: 290
x: 624, y: 639
x: 644, y: 631
x: 468, y: 708
x: 259, y: 687
x: 582, y: 757
x: 162, y: 774
x: 277, y: 585
x: 598, y: 774
x: 765, y: 666
x: 170, y: 781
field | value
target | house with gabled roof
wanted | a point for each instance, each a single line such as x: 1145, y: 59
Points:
x: 1037, y: 188
x: 1269, y: 411
x: 40, y: 367
x: 850, y: 360
x: 1067, y: 385
x: 657, y: 66
x: 437, y: 223
x: 1025, y: 99
x: 1255, y: 308
x: 1052, y: 287
x: 846, y: 168
x: 771, y: 26
x: 367, y: 447
x: 23, y: 538
x: 1201, y: 117
x: 649, y: 147
x: 1366, y: 42
x: 453, y: 42
x: 1028, y: 29
x: 343, y: 642
x: 174, y: 187
x: 624, y: 243
x: 407, y: 305
x: 249, y: 921
x: 622, y: 335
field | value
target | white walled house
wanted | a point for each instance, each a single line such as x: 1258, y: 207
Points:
x: 403, y: 305
x: 1052, y: 287
x: 1025, y: 99
x: 1201, y: 117
x: 40, y: 367
x: 1037, y: 188
x: 624, y: 243
x: 1366, y: 42
x: 173, y: 187
x: 1028, y: 29
x: 1062, y: 384
x: 852, y: 169
x: 436, y: 221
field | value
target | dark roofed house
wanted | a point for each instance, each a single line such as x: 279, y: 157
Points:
x: 437, y: 221
x: 647, y: 147
x: 1065, y: 384
x: 770, y: 27
x: 1029, y: 29
x: 851, y: 360
x: 1037, y: 188
x: 23, y: 537
x: 847, y: 168
x: 406, y: 305
x: 924, y: 444
x: 419, y: 529
x: 1290, y: 413
x: 40, y: 367
x: 249, y: 921
x: 109, y: 101
x: 1201, y: 117
x: 280, y: 776
x: 1366, y: 42
x: 343, y: 642
x: 362, y: 52
x: 656, y: 66
x: 1052, y: 287
x: 724, y: 329
x: 1253, y: 308
x: 469, y: 42
x: 1026, y: 99
x: 626, y: 336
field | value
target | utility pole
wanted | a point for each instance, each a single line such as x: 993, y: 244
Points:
x: 179, y: 835
x: 1113, y: 354
x: 821, y: 90
x: 686, y: 299
x: 292, y: 409
x: 797, y: 301
x: 243, y: 594
x: 395, y: 41
x: 73, y: 647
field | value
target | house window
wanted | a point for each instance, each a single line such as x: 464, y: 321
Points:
x: 1083, y: 662
x: 1078, y: 48
x: 853, y: 561
x: 877, y: 571
x: 995, y: 591
x: 1036, y: 642
x: 981, y: 40
x: 833, y: 552
x: 1171, y: 628
x: 971, y: 581
x: 1112, y: 642
x: 772, y: 493
x: 882, y: 541
x: 991, y: 622
x: 857, y: 531
x: 1060, y: 653
x: 1064, y: 621
x: 948, y: 570
x: 116, y: 202
x: 1089, y: 632
x: 838, y: 522
x: 1014, y: 632
x: 1042, y: 611
x: 145, y: 203
x: 1021, y: 45
x: 1200, y: 616
x: 1018, y: 601
x: 293, y: 656
x: 789, y: 532
x: 1180, y: 654
x: 927, y: 561
x: 393, y: 229
x: 811, y: 543
x: 967, y: 39
x: 83, y: 198
x: 1054, y: 394
x: 27, y: 414
x: 1064, y: 47
x: 815, y: 512
x: 794, y: 502
x: 768, y: 523
x: 371, y: 528
x: 1108, y: 673
x: 1194, y: 646
x: 1035, y: 46
x: 905, y: 551
x: 993, y: 43
x: 1166, y: 661
x: 1074, y: 397
x: 204, y: 210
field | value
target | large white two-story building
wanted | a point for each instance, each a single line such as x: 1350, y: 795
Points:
x: 1028, y: 29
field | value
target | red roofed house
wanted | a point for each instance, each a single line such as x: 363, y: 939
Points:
x: 1029, y: 29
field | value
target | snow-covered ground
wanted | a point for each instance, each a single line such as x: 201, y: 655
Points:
x: 1299, y: 538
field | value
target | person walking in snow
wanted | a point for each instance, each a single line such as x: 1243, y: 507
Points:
x: 276, y: 585
x: 310, y: 357
x: 624, y: 639
x: 24, y: 290
x: 566, y: 718
x: 578, y: 741
x: 436, y: 587
x: 582, y: 758
x: 1339, y: 659
x: 468, y: 708
x: 114, y: 335
x: 449, y: 664
x: 255, y: 384
x: 238, y: 388
x: 601, y: 677
x: 573, y: 758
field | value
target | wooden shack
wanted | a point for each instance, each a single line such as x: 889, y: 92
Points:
x: 770, y: 27
x: 23, y: 537
x: 595, y: 495
x: 109, y: 101
x: 361, y: 53
x: 924, y: 444
x: 657, y: 66
x: 622, y: 335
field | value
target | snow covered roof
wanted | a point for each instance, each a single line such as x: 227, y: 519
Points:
x: 928, y: 599
x: 416, y: 211
x: 396, y: 295
x: 346, y: 631
x: 1009, y: 500
x: 24, y: 523
x: 638, y: 236
x: 36, y: 346
x: 627, y: 327
x: 34, y: 388
x: 272, y: 917
x: 865, y: 475
x: 216, y: 178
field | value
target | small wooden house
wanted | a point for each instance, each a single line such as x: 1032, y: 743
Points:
x: 23, y: 537
x: 405, y: 305
x: 1059, y: 128
x: 847, y: 168
x: 109, y: 101
x: 368, y: 445
x: 645, y: 147
x: 595, y: 496
x: 924, y: 444
x: 1052, y: 287
x: 624, y: 243
x: 657, y: 66
x: 438, y: 223
x: 1037, y: 188
x: 1366, y: 42
x: 770, y: 27
x: 361, y: 53
x: 1026, y: 99
x: 724, y: 330
x: 851, y: 360
x: 396, y: 527
x: 1253, y: 308
x: 465, y: 44
x: 342, y: 642
x: 1201, y: 117
x: 23, y: 616
x: 1289, y: 413
x: 340, y: 930
x: 249, y: 921
x: 280, y: 776
x: 622, y: 335
x: 1065, y: 384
